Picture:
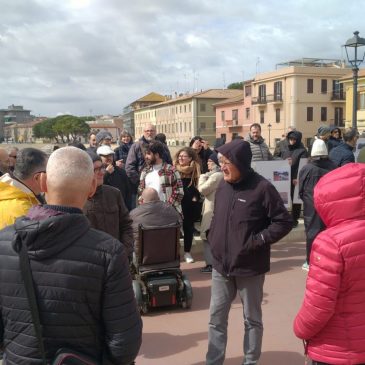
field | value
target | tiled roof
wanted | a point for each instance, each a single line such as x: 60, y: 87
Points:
x: 234, y: 100
x: 151, y: 97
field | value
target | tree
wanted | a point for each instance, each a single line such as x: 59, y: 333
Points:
x: 63, y: 127
x: 236, y: 85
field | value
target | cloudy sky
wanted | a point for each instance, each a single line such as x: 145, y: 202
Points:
x: 96, y: 56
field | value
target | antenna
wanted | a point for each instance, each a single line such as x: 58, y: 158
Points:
x: 257, y: 65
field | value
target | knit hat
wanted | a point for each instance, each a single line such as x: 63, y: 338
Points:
x: 104, y: 150
x: 323, y: 130
x: 214, y: 157
x: 319, y: 148
x: 103, y: 135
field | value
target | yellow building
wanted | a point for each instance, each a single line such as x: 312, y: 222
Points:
x: 184, y: 117
x: 348, y: 86
x: 304, y: 93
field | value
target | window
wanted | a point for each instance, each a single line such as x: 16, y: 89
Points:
x: 184, y: 126
x: 189, y: 126
x: 324, y: 86
x: 362, y: 101
x: 202, y: 107
x: 223, y: 118
x: 180, y: 108
x: 184, y: 108
x: 278, y: 95
x: 235, y: 114
x: 262, y: 116
x: 310, y: 114
x: 262, y: 93
x: 247, y: 113
x: 277, y: 115
x: 248, y: 90
x: 337, y: 91
x: 180, y: 127
x: 339, y: 122
x: 309, y: 142
x: 310, y: 86
x: 323, y: 114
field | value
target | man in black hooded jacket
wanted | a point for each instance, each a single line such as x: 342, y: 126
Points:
x: 81, y: 276
x: 249, y: 216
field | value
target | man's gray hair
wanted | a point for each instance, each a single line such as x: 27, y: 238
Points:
x: 68, y: 167
x: 28, y: 162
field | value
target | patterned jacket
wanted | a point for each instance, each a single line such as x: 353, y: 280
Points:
x: 171, y: 185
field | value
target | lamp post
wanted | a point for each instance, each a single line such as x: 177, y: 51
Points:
x: 269, y: 128
x: 351, y: 47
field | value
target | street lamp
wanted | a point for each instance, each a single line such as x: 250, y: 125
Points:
x: 351, y: 47
x: 269, y: 127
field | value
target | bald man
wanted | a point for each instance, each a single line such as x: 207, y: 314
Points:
x: 81, y: 275
x: 153, y: 212
x: 4, y: 161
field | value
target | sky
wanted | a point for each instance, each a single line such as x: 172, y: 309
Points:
x: 92, y: 57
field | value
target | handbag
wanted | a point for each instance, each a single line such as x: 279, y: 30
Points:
x: 63, y: 356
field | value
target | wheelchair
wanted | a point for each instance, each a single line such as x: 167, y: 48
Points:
x: 157, y: 278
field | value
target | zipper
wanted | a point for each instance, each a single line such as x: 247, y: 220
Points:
x: 225, y: 264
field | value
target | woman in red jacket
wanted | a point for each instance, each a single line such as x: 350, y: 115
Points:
x: 331, y: 320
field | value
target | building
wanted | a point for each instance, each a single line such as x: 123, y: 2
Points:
x: 233, y: 116
x: 108, y: 123
x: 21, y: 132
x: 128, y: 112
x: 347, y: 81
x: 304, y: 93
x: 185, y: 116
x: 13, y: 114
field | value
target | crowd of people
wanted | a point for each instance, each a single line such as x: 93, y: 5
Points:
x: 77, y: 212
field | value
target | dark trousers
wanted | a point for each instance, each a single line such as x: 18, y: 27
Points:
x: 308, y: 247
x: 188, y: 228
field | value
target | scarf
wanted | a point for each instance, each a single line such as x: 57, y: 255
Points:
x: 192, y: 171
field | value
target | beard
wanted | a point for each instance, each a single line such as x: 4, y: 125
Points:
x: 151, y: 161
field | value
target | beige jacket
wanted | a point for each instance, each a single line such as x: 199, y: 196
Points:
x: 207, y: 186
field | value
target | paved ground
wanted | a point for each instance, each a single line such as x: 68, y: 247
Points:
x: 179, y: 337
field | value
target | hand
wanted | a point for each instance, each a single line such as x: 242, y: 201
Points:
x: 119, y: 163
x: 197, y: 145
x: 110, y: 169
x: 295, y: 181
x: 290, y: 161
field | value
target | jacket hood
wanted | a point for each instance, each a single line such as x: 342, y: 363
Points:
x: 340, y: 195
x: 239, y: 153
x: 49, y: 232
x: 333, y: 127
x: 297, y: 135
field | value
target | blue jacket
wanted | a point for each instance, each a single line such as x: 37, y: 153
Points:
x: 342, y: 154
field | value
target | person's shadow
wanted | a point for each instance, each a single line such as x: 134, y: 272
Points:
x: 268, y: 358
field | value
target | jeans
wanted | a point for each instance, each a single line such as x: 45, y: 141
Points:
x: 224, y: 290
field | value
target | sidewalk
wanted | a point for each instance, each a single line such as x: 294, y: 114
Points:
x: 179, y: 337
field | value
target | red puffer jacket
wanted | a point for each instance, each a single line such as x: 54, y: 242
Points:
x: 332, y: 316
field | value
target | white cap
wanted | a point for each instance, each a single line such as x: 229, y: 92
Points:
x: 319, y: 148
x: 104, y: 150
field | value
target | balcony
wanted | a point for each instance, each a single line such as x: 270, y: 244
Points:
x: 233, y: 124
x: 275, y: 99
x: 338, y: 96
x: 259, y: 100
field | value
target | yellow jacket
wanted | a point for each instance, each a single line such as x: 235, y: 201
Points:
x: 15, y: 200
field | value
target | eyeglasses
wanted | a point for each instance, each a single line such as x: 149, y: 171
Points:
x: 183, y: 156
x: 224, y: 163
x: 149, y: 130
x: 99, y: 169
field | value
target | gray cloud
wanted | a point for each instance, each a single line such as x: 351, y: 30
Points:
x: 82, y: 55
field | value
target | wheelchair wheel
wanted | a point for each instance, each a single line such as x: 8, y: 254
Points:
x: 138, y: 295
x: 187, y: 293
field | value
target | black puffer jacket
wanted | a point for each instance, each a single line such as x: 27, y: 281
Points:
x: 309, y: 176
x: 249, y: 216
x: 83, y: 286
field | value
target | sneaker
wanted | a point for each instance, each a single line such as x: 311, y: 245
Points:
x: 305, y: 266
x: 206, y: 270
x: 188, y: 258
